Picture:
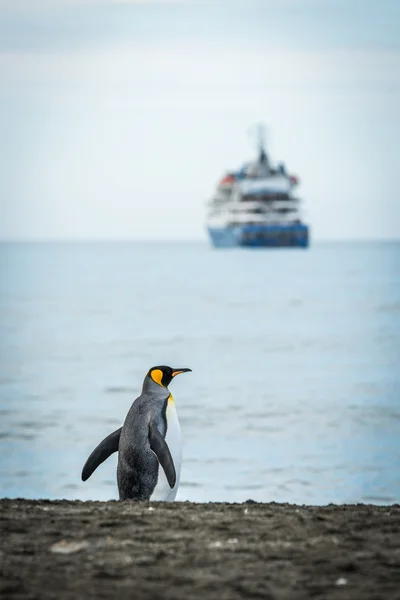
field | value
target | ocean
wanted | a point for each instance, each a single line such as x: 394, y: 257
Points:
x: 295, y: 390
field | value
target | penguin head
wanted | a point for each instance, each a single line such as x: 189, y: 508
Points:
x: 163, y: 375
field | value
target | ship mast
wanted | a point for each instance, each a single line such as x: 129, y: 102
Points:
x: 259, y: 131
x: 261, y: 135
x: 261, y: 165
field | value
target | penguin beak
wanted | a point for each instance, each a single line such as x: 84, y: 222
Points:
x: 179, y: 371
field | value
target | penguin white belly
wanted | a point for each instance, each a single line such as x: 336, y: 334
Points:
x: 162, y: 491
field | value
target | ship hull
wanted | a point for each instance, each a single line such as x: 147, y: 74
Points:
x: 260, y: 236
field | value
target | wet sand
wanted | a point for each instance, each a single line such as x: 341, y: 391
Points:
x: 70, y: 550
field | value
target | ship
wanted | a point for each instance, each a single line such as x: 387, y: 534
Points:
x: 257, y: 206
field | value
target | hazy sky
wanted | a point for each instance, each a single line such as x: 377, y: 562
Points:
x: 117, y: 118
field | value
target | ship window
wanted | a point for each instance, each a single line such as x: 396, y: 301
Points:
x: 284, y: 211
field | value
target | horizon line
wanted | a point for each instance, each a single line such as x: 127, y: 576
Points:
x: 106, y: 240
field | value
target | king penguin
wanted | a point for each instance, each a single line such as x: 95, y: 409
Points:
x: 149, y: 443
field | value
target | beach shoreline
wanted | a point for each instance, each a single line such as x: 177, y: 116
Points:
x: 73, y: 549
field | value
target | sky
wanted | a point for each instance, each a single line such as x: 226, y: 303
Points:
x: 118, y: 118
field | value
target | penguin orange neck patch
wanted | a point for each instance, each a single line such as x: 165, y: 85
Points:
x: 157, y: 376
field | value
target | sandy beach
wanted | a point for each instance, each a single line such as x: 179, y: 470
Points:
x: 68, y: 550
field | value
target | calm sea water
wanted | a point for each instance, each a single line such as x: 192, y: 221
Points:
x: 295, y: 390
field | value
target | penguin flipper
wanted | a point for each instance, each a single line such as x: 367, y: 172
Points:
x: 161, y: 450
x: 107, y: 447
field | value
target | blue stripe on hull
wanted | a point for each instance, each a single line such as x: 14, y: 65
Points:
x: 260, y: 236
